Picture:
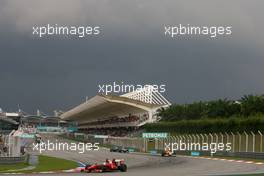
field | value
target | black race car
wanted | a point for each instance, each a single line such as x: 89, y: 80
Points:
x: 119, y: 149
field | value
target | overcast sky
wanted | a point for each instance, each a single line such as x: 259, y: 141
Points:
x: 58, y: 73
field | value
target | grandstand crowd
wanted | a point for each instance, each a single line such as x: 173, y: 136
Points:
x: 115, y: 132
x: 118, y: 120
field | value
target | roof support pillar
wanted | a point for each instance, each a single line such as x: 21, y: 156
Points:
x: 150, y: 114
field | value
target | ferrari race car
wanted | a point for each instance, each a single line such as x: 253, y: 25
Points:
x: 108, y: 166
x: 167, y: 152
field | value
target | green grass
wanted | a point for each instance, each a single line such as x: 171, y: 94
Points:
x: 5, y: 167
x: 46, y: 163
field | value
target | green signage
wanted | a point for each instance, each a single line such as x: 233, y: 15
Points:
x: 155, y: 135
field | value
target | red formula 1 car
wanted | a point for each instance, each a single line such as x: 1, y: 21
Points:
x: 108, y: 166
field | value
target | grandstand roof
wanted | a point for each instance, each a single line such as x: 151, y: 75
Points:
x: 105, y: 106
x: 8, y: 120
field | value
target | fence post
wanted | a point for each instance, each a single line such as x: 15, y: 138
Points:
x: 239, y: 141
x: 202, y: 138
x: 246, y: 141
x: 222, y: 137
x: 212, y: 137
x: 177, y: 139
x: 198, y: 137
x: 156, y: 143
x: 227, y: 137
x: 234, y: 141
x: 180, y: 138
x: 194, y: 137
x: 183, y: 138
x: 189, y: 138
x: 261, y: 141
x: 145, y: 145
x: 253, y: 142
x: 216, y: 138
x: 207, y: 138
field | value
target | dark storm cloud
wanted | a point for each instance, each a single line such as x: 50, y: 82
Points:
x: 57, y: 73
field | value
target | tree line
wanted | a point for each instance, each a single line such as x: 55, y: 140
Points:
x: 247, y: 106
x: 252, y: 124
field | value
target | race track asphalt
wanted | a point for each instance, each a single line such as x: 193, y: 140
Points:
x: 147, y: 165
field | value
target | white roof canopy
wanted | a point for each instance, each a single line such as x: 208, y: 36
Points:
x: 105, y: 106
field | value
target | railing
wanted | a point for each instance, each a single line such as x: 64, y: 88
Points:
x: 12, y: 160
x: 240, y: 142
x: 250, y: 145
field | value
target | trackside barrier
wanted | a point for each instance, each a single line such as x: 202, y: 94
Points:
x: 246, y: 144
x: 138, y: 144
x: 135, y: 144
x: 12, y: 160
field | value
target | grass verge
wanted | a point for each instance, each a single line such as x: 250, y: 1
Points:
x: 46, y: 163
x: 5, y: 167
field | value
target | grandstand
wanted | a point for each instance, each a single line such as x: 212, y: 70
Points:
x: 117, y: 115
x: 7, y: 124
x: 47, y: 124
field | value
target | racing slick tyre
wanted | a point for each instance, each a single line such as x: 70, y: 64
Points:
x: 103, y: 168
x: 163, y: 154
x: 123, y: 168
x: 88, y: 170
